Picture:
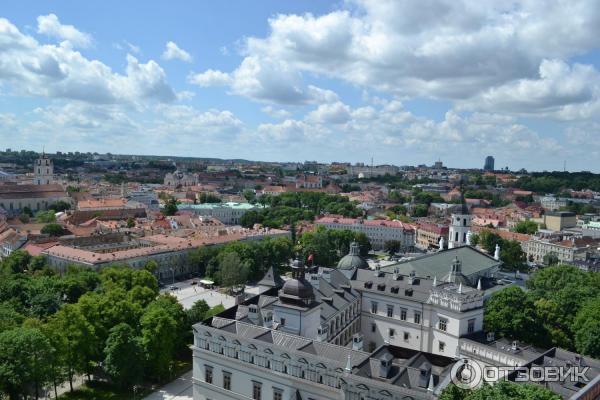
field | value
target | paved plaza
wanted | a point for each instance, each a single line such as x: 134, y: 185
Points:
x: 179, y: 389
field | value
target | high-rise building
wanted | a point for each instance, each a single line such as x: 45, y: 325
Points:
x: 489, y: 164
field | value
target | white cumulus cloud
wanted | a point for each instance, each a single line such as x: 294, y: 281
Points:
x: 174, y: 52
x: 51, y: 26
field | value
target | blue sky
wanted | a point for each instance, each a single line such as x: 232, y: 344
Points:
x: 402, y: 82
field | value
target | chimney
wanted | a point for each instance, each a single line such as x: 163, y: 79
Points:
x: 385, y: 364
x: 411, y: 277
x: 357, y: 342
x: 314, y: 281
x: 515, y: 345
x: 322, y: 333
x: 490, y: 337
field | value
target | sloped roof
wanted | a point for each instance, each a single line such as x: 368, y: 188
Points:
x: 271, y: 279
x: 438, y: 264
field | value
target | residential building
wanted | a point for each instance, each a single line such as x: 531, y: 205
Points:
x: 567, y: 249
x: 309, y: 181
x: 367, y: 171
x: 179, y: 178
x: 552, y: 203
x: 429, y: 235
x: 377, y: 231
x: 559, y: 220
x: 170, y: 252
x: 229, y: 213
x: 7, y: 177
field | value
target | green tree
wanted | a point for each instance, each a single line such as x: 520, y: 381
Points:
x: 587, y: 328
x: 232, y: 271
x: 73, y: 338
x: 219, y: 308
x: 16, y: 262
x: 45, y: 217
x: 528, y: 227
x: 130, y: 222
x: 53, y: 230
x: 512, y: 255
x: 511, y: 313
x: 559, y: 292
x: 24, y: 355
x: 197, y: 312
x: 488, y: 240
x: 170, y: 207
x: 550, y: 259
x: 9, y: 316
x: 420, y: 210
x: 392, y: 246
x: 124, y: 357
x: 510, y: 390
x: 59, y: 206
x: 158, y: 339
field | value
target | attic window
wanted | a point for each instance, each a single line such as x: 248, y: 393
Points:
x: 395, y: 289
x: 381, y: 287
x: 368, y: 284
x: 408, y: 292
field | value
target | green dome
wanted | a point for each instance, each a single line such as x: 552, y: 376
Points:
x: 353, y: 259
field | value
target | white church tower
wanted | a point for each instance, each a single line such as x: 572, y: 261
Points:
x: 43, y: 171
x: 460, y: 227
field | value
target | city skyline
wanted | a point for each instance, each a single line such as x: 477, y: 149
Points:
x: 295, y: 81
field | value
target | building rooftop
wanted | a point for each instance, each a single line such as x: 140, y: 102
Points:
x: 233, y: 205
x: 438, y: 264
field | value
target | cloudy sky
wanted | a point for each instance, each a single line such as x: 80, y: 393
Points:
x: 405, y: 82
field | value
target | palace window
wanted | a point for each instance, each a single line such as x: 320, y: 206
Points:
x: 373, y: 307
x: 417, y: 317
x: 443, y: 324
x: 471, y: 325
x: 208, y: 374
x: 403, y: 314
x: 256, y: 390
x: 227, y: 380
x: 390, y: 311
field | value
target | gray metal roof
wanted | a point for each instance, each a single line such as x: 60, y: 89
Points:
x: 438, y: 264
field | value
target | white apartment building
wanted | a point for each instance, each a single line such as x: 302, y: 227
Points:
x: 228, y: 213
x: 377, y: 231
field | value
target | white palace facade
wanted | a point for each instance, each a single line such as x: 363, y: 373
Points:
x: 344, y: 333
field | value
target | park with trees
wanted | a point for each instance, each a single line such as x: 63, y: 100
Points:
x: 112, y: 324
x: 561, y: 307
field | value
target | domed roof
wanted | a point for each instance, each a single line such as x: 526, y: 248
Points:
x: 299, y: 288
x: 353, y: 259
